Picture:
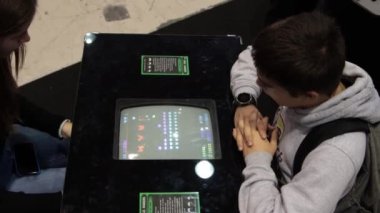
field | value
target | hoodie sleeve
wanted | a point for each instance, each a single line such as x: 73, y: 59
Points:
x: 327, y: 174
x: 244, y: 75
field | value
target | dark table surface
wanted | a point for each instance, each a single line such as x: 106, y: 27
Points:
x: 95, y: 181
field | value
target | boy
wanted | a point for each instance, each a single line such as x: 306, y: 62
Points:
x: 300, y: 63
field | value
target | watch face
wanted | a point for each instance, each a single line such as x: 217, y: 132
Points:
x: 244, y: 98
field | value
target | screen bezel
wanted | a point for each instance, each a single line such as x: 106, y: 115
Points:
x: 207, y: 104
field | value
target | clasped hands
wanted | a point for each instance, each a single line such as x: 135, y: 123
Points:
x: 251, y: 131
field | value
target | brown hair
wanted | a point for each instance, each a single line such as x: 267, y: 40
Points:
x: 13, y: 15
x: 301, y: 53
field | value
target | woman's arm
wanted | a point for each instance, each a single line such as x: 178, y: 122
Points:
x: 36, y: 117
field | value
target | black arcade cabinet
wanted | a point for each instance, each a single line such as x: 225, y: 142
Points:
x: 153, y: 126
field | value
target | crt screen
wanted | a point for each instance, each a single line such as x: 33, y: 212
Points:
x: 165, y: 132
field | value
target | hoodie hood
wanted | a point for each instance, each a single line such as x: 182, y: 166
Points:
x: 360, y: 100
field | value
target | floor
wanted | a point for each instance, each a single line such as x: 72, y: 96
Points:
x: 59, y: 27
x: 55, y: 73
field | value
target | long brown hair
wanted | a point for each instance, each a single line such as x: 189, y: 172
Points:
x: 13, y: 15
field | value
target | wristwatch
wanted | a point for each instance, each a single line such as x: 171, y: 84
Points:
x: 244, y: 99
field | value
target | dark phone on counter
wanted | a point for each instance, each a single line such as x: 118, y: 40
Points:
x: 26, y: 162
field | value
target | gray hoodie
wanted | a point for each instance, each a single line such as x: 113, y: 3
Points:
x: 330, y: 170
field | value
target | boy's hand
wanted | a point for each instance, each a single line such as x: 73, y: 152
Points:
x: 246, y: 118
x: 260, y: 144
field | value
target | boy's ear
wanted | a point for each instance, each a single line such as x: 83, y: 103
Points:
x: 314, y: 98
x: 313, y: 95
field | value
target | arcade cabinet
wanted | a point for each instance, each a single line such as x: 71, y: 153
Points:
x: 153, y: 126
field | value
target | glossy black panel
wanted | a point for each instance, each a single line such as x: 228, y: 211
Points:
x: 110, y: 71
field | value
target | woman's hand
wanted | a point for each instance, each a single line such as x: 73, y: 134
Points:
x: 66, y: 129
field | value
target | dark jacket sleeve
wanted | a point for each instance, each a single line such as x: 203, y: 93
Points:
x: 20, y: 202
x: 36, y: 117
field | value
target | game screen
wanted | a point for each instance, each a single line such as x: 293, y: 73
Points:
x: 167, y: 132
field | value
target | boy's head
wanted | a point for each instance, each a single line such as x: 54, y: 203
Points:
x: 301, y: 54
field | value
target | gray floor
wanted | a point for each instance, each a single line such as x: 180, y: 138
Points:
x: 59, y: 27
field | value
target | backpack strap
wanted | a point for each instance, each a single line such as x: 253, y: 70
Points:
x: 323, y: 132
